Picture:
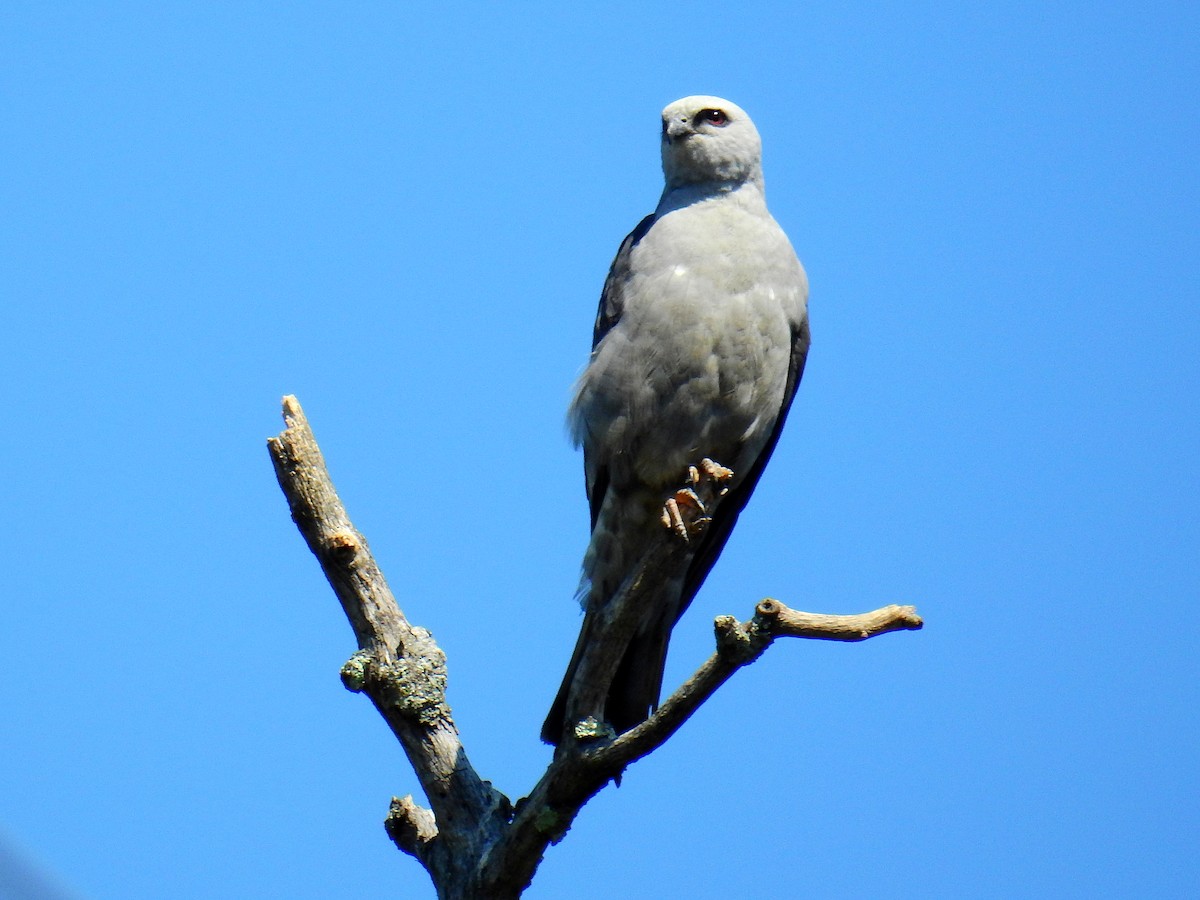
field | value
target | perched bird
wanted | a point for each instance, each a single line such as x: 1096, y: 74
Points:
x: 698, y: 347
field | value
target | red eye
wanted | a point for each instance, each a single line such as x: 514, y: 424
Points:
x: 712, y: 117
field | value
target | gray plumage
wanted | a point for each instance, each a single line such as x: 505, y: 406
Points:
x: 699, y: 345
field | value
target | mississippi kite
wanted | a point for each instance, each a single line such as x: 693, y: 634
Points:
x: 698, y: 348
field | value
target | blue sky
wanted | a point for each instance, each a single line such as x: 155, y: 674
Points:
x: 403, y: 214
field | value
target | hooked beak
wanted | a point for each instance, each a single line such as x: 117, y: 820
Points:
x: 676, y: 129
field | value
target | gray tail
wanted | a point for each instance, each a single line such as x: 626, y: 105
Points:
x: 634, y: 693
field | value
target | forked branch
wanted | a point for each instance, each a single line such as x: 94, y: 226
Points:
x: 471, y: 840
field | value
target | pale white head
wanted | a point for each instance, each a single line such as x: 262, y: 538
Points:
x: 707, y: 139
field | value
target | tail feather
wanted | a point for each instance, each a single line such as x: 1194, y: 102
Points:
x: 635, y: 689
x: 552, y: 728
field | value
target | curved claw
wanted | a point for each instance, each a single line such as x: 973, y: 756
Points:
x: 684, y: 512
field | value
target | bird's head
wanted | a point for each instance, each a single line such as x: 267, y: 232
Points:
x: 707, y: 139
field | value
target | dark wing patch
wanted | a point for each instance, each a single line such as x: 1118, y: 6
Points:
x: 612, y: 304
x: 596, y: 488
x: 731, y: 506
x: 612, y: 300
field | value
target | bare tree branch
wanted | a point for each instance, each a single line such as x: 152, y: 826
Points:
x: 575, y: 777
x: 398, y: 666
x: 738, y: 645
x: 472, y: 841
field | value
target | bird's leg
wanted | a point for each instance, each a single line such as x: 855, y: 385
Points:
x: 686, y: 500
x: 673, y: 510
